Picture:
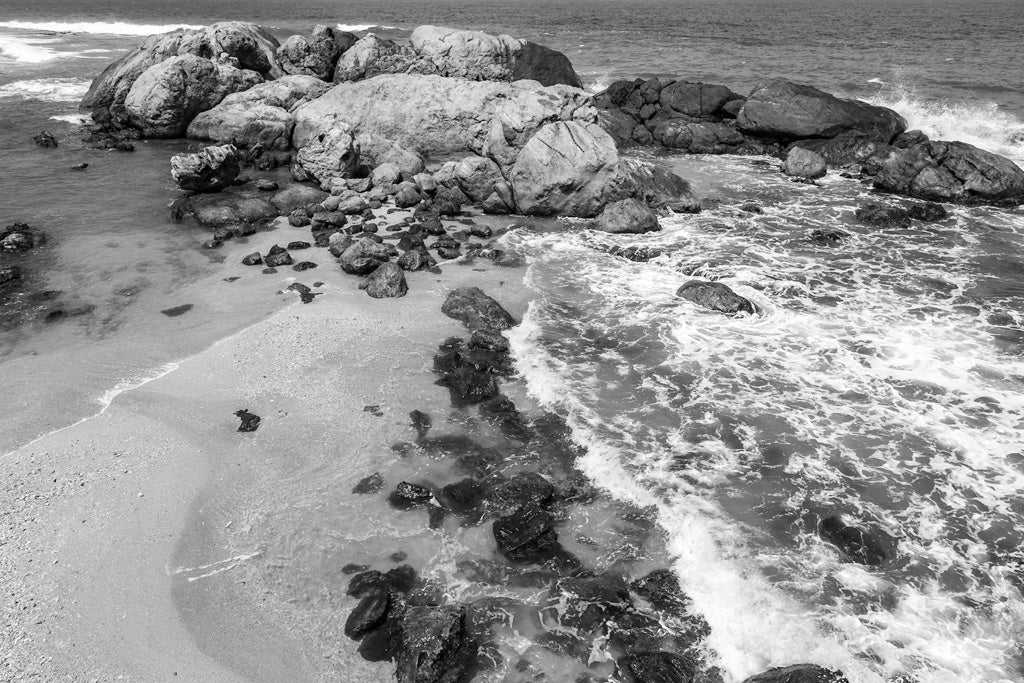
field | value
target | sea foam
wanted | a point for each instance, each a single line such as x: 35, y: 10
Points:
x: 119, y: 28
x: 47, y: 89
x: 363, y: 27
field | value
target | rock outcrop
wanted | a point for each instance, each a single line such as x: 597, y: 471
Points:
x: 951, y: 172
x: 210, y: 170
x: 258, y: 116
x: 333, y: 153
x: 803, y: 163
x: 166, y: 97
x: 317, y: 55
x: 790, y: 111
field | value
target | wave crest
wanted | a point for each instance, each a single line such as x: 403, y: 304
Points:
x: 119, y: 28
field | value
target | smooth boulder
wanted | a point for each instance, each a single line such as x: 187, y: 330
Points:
x: 476, y: 310
x: 333, y: 153
x: 317, y: 55
x: 387, y: 281
x: 209, y: 170
x: 166, y: 97
x: 786, y: 110
x: 716, y: 296
x: 803, y: 163
x: 951, y: 172
x: 629, y: 216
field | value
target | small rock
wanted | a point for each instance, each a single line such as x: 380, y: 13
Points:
x: 370, y: 484
x: 803, y: 163
x: 928, y: 212
x: 527, y: 535
x: 387, y: 281
x: 250, y: 422
x: 177, y: 310
x: 716, y: 296
x: 476, y: 310
x: 277, y: 256
x: 304, y: 265
x: 798, y: 673
x: 265, y: 185
x: 210, y: 170
x: 253, y: 259
x: 881, y: 216
x: 656, y: 667
x: 627, y: 216
x: 828, y: 236
x: 407, y: 496
x: 864, y: 546
x: 45, y: 139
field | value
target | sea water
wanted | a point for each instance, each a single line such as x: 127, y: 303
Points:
x: 880, y: 380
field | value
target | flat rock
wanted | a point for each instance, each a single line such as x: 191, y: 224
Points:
x: 210, y: 170
x: 476, y: 310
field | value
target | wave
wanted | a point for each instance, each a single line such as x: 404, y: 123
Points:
x: 978, y: 122
x: 47, y: 89
x: 73, y: 119
x: 119, y: 28
x: 364, y: 27
x: 27, y: 51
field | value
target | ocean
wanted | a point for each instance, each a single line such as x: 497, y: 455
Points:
x: 882, y: 379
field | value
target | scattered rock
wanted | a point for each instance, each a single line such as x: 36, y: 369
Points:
x: 715, y: 295
x: 253, y: 259
x: 250, y: 422
x: 828, y: 236
x: 387, y: 281
x: 883, y: 216
x: 177, y: 310
x: 277, y: 256
x: 928, y: 212
x: 476, y: 310
x: 363, y: 257
x: 45, y: 139
x: 803, y: 163
x: 407, y: 496
x: 420, y: 422
x: 627, y: 216
x: 527, y: 535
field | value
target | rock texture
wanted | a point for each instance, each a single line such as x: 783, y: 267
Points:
x: 787, y: 110
x: 951, y: 172
x: 317, y: 55
x: 210, y: 170
x: 715, y: 295
x: 258, y: 116
x: 166, y: 97
x: 627, y: 216
x: 333, y: 153
x: 803, y: 163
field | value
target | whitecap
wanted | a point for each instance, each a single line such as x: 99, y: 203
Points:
x: 120, y: 28
x: 73, y: 119
x: 47, y: 89
x: 363, y: 27
x: 26, y: 50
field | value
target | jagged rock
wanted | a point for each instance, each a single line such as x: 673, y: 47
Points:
x: 372, y: 56
x: 864, y: 546
x: 277, y: 256
x: 167, y: 96
x: 225, y: 209
x: 476, y: 310
x: 332, y: 153
x: 715, y: 295
x: 928, y: 212
x: 627, y: 216
x: 386, y: 174
x: 799, y: 673
x: 436, y: 645
x: 951, y: 172
x: 369, y: 614
x: 407, y: 197
x: 586, y: 603
x: 250, y: 421
x: 828, y: 236
x: 848, y: 149
x: 253, y: 259
x: 479, y: 178
x: 209, y: 170
x: 803, y: 163
x: 883, y: 216
x: 257, y: 116
x: 416, y: 259
x: 387, y: 281
x: 18, y: 237
x: 696, y: 137
x: 407, y: 496
x: 363, y: 257
x: 524, y: 490
x: 527, y: 535
x: 480, y: 56
x: 45, y: 139
x: 787, y: 110
x: 9, y: 274
x: 463, y: 497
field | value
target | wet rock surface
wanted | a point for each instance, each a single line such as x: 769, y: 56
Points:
x: 715, y: 296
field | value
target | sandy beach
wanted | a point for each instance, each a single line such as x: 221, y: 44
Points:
x: 112, y: 560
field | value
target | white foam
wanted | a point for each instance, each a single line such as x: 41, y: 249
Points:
x: 99, y: 27
x: 355, y: 28
x: 977, y: 122
x: 47, y: 89
x: 27, y: 51
x: 73, y: 119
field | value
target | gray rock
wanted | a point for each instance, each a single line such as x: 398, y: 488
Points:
x: 803, y: 163
x: 627, y: 216
x: 372, y: 56
x: 166, y: 97
x: 210, y: 170
x: 787, y: 110
x: 386, y: 174
x: 223, y: 209
x: 363, y: 257
x: 695, y: 99
x: 387, y: 281
x: 315, y: 56
x: 716, y: 296
x: 696, y: 137
x: 476, y: 310
x: 436, y: 645
x: 332, y: 153
x: 479, y: 178
x: 296, y: 197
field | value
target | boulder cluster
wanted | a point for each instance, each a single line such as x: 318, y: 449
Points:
x: 811, y: 131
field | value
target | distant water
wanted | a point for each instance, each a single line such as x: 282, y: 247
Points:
x: 882, y: 380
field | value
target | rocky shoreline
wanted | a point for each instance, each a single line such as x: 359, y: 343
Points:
x: 395, y: 152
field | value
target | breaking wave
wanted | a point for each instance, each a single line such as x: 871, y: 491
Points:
x: 119, y: 28
x: 47, y: 89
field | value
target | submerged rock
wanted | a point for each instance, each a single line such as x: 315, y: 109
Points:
x: 661, y: 589
x: 928, y: 212
x: 715, y: 295
x: 250, y: 421
x: 864, y: 546
x: 798, y: 673
x: 436, y: 646
x: 407, y: 496
x: 45, y: 139
x: 527, y: 535
x: 476, y: 310
x: 656, y: 667
x: 209, y: 170
x: 883, y: 216
x: 9, y: 274
x: 370, y: 484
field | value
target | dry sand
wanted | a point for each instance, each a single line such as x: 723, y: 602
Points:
x: 109, y: 555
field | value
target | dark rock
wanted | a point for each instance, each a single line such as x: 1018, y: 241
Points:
x: 691, y: 99
x: 304, y: 265
x: 277, y: 258
x: 400, y: 556
x: 250, y: 422
x: 387, y: 281
x: 407, y: 496
x: 352, y: 568
x: 370, y: 484
x: 828, y: 236
x: 488, y: 340
x: 20, y: 237
x: 863, y: 546
x: 627, y: 216
x: 469, y: 386
x: 586, y: 603
x: 798, y: 673
x: 882, y: 216
x: 661, y: 589
x: 656, y: 667
x: 463, y: 497
x: 716, y: 296
x: 224, y: 208
x: 264, y: 185
x: 928, y: 212
x: 787, y: 110
x: 527, y: 535
x: 502, y: 412
x: 803, y: 163
x: 421, y: 422
x: 436, y: 646
x: 476, y: 310
x: 45, y: 139
x: 951, y: 172
x: 368, y: 614
x: 212, y: 244
x: 638, y: 254
x: 751, y: 208
x: 363, y: 257
x: 9, y: 274
x: 177, y: 310
x: 416, y: 259
x: 253, y: 259
x: 209, y: 170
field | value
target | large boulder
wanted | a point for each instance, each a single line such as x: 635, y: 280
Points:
x: 247, y: 44
x: 480, y: 56
x: 951, y: 172
x: 317, y: 55
x: 210, y: 170
x: 435, y: 116
x: 480, y: 179
x: 436, y: 645
x: 372, y: 56
x: 167, y: 96
x: 803, y: 163
x: 333, y: 153
x: 696, y: 137
x: 259, y: 115
x: 695, y: 99
x: 476, y: 310
x: 781, y: 109
x: 629, y: 216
